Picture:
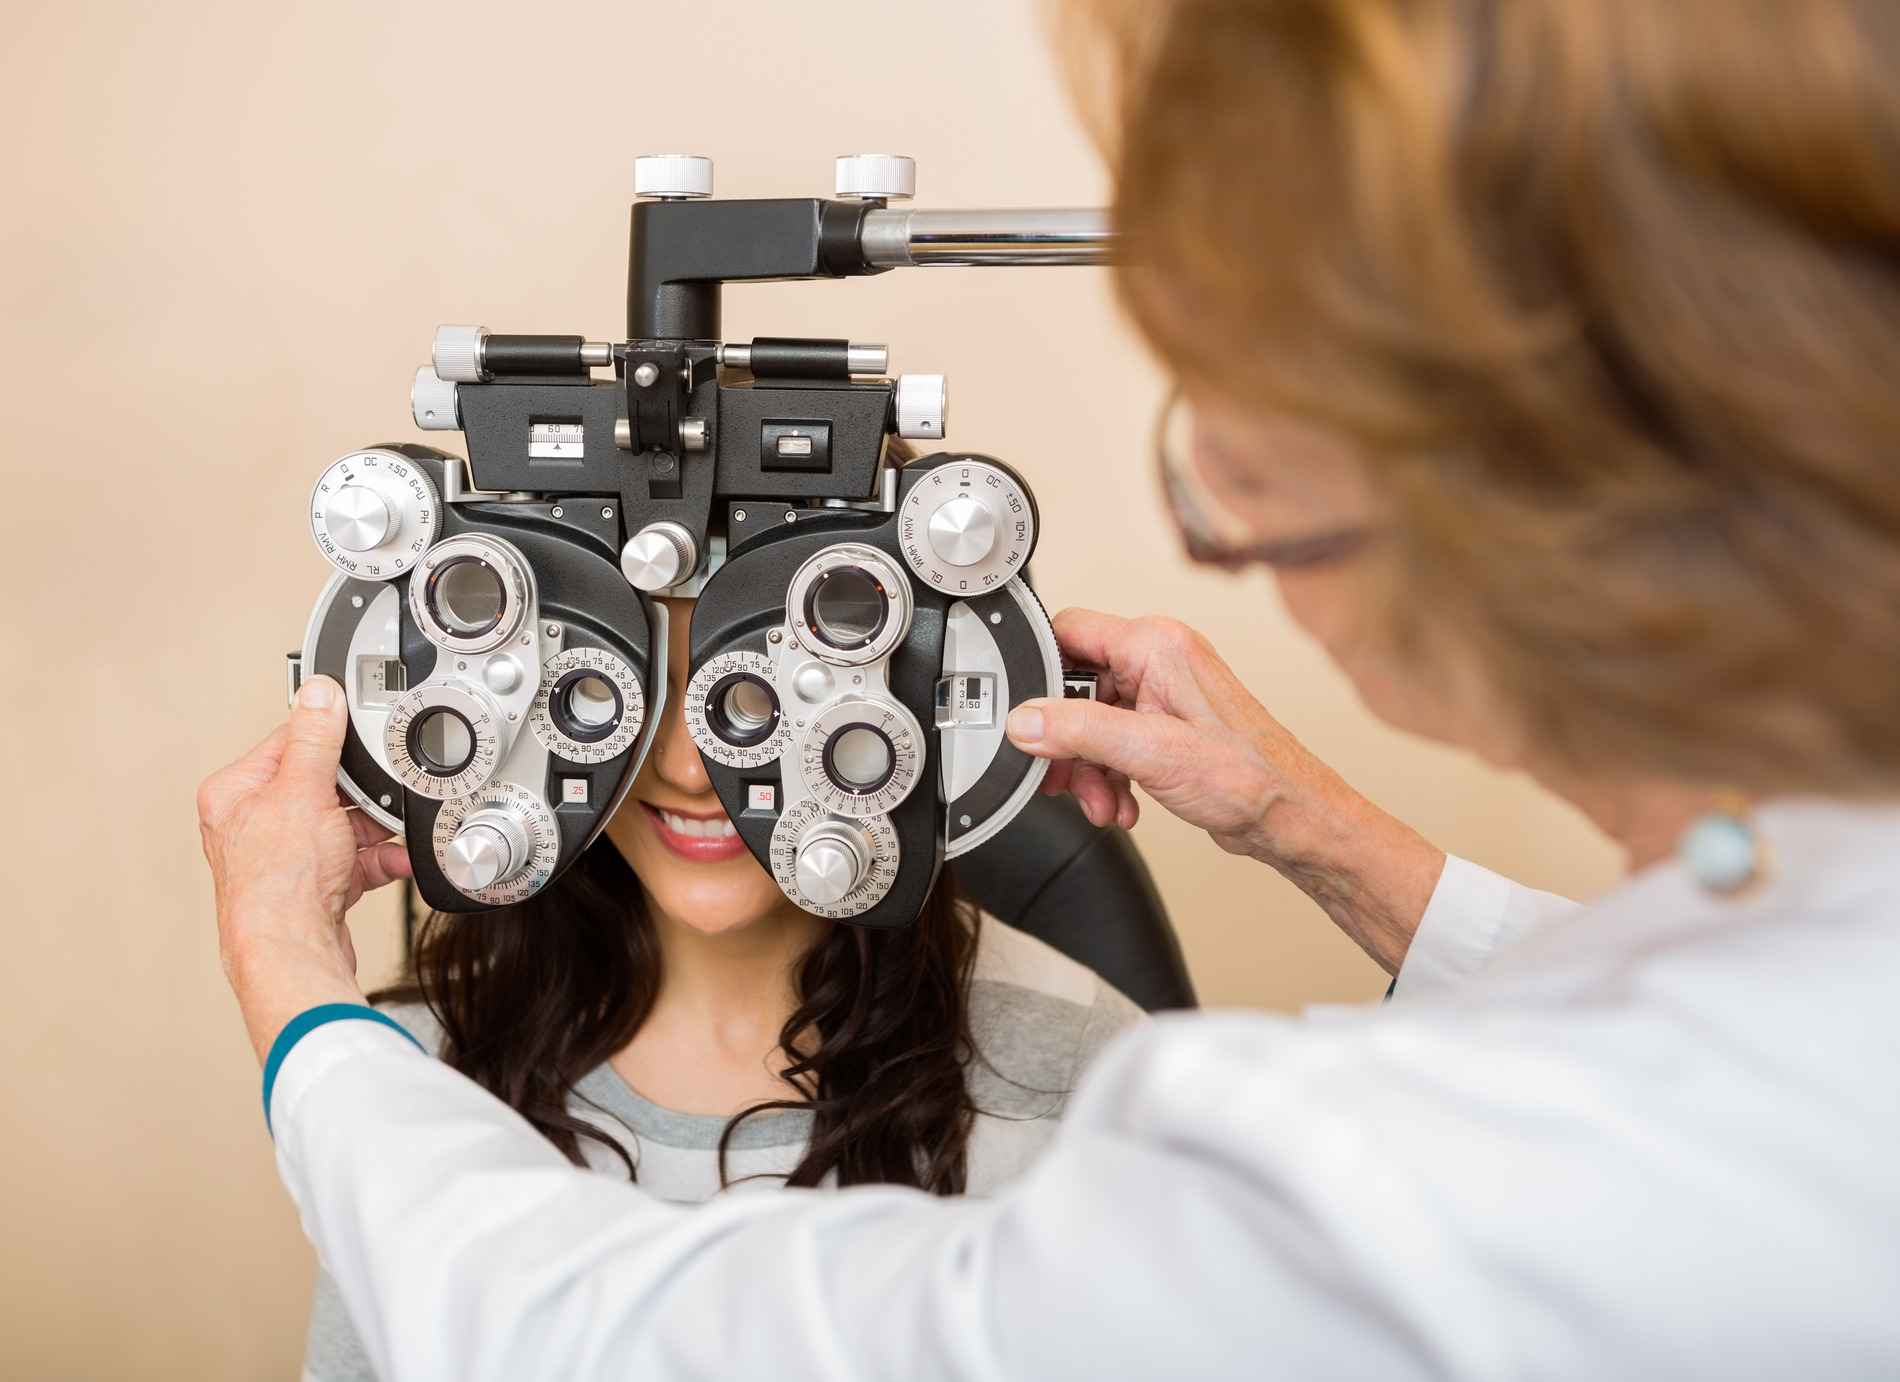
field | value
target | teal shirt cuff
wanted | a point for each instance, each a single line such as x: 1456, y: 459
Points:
x: 304, y: 1023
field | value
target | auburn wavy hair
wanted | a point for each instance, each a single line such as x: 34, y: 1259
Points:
x: 533, y: 997
x: 1608, y: 292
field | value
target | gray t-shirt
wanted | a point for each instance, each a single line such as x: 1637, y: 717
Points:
x: 1038, y: 1019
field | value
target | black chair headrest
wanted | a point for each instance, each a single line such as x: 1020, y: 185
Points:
x: 1085, y: 891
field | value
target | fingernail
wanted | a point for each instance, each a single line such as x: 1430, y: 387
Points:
x: 1025, y: 724
x: 317, y: 693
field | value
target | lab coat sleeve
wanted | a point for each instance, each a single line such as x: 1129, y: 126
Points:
x: 1139, y: 1247
x: 1473, y: 914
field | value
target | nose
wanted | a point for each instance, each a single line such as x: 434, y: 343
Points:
x: 679, y: 761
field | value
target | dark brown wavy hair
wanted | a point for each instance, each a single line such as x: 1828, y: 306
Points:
x: 533, y: 997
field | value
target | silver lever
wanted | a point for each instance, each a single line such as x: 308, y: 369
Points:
x: 899, y: 238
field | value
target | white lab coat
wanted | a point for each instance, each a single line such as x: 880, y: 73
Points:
x: 1657, y: 1137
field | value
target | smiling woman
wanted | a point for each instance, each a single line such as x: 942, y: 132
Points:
x: 664, y: 1013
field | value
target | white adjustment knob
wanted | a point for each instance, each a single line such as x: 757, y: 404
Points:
x: 672, y: 176
x: 963, y: 531
x: 357, y: 519
x: 922, y: 405
x: 659, y: 555
x: 457, y: 354
x: 491, y: 847
x: 832, y: 859
x: 877, y: 177
x: 433, y: 403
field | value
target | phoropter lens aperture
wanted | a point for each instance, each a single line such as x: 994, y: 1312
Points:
x: 847, y: 607
x: 742, y: 710
x: 860, y: 759
x: 466, y: 594
x: 585, y: 707
x: 441, y: 742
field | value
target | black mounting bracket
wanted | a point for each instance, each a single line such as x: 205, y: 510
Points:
x: 681, y: 251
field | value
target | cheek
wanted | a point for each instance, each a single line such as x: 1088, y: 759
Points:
x: 1335, y: 608
x: 1448, y: 701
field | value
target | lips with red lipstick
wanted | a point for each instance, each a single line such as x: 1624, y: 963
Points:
x: 699, y: 837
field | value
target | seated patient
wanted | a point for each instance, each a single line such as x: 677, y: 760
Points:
x: 662, y: 1012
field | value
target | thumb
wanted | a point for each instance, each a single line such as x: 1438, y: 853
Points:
x: 1142, y: 747
x: 315, y: 740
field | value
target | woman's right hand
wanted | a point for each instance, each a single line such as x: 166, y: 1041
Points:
x: 1171, y: 717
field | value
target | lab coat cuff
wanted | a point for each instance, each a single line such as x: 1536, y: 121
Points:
x: 1459, y: 931
x: 300, y: 1034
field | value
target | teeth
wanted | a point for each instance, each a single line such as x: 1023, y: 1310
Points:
x: 706, y: 830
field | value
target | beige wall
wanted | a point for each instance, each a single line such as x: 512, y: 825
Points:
x: 228, y: 233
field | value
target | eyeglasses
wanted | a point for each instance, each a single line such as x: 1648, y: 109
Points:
x: 1212, y: 533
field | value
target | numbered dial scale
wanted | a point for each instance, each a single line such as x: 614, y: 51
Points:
x: 860, y: 854
x: 590, y: 706
x: 967, y: 526
x: 443, y: 739
x: 862, y: 757
x: 373, y: 514
x: 521, y: 856
x: 733, y: 711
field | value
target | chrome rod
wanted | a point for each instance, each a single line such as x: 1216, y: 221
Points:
x: 898, y: 238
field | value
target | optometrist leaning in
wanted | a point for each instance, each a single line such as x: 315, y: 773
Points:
x: 1549, y: 354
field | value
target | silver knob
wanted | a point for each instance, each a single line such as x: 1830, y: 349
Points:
x: 659, y: 555
x: 963, y: 531
x: 457, y: 355
x: 832, y: 860
x: 490, y: 847
x: 922, y: 405
x: 356, y: 518
x: 672, y: 176
x: 877, y: 177
x: 373, y: 512
x: 432, y: 400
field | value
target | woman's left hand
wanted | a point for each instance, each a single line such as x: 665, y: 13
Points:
x: 288, y: 861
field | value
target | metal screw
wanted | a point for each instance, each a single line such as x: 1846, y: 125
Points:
x: 430, y: 562
x: 645, y: 374
x: 558, y: 511
x: 461, y: 666
x: 738, y: 515
x: 801, y: 724
x: 773, y: 636
x: 996, y: 618
x: 963, y: 820
x: 607, y: 513
x: 791, y: 516
x: 554, y: 630
x: 526, y: 639
x: 511, y: 714
x: 856, y: 680
x: 356, y: 602
x: 384, y: 798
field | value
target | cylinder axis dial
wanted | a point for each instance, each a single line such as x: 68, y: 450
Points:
x: 862, y: 757
x: 733, y: 713
x: 814, y: 849
x: 590, y: 706
x: 443, y: 739
x: 373, y: 514
x: 967, y: 526
x: 498, y: 845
